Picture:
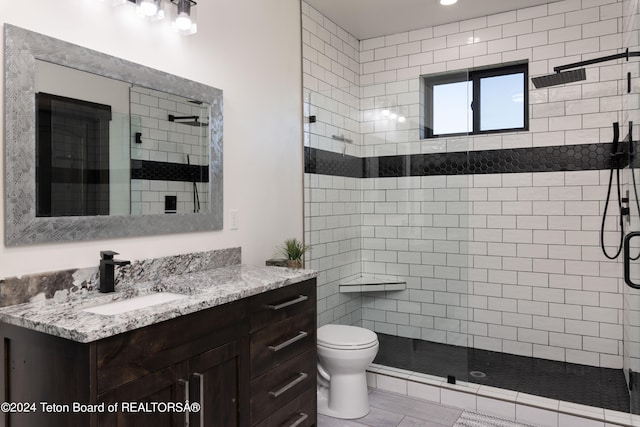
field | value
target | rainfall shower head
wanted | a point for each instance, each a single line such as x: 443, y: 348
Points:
x: 187, y: 120
x: 560, y: 78
x: 575, y: 75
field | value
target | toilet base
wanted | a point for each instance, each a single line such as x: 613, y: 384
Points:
x: 350, y: 397
x: 323, y: 409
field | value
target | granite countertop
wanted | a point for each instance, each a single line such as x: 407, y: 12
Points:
x: 64, y: 316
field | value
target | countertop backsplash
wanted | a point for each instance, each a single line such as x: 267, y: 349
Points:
x: 66, y: 283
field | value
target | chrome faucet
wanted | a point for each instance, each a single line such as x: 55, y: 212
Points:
x: 107, y: 269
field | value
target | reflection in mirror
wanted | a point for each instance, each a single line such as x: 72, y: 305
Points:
x: 107, y: 147
x: 99, y: 147
x: 169, y: 156
x: 82, y: 143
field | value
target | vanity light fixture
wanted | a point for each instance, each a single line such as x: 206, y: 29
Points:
x: 184, y: 21
x: 183, y: 16
x: 448, y: 2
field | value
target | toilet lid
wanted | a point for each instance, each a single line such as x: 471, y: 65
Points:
x: 346, y: 337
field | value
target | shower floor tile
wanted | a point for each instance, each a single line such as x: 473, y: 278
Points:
x: 586, y: 385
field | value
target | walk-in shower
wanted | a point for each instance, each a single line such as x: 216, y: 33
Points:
x: 476, y: 257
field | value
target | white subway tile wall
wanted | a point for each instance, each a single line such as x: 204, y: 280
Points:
x: 333, y: 229
x: 503, y: 262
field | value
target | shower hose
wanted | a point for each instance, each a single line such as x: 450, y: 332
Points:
x: 616, y: 166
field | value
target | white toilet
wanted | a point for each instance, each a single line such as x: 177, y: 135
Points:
x: 344, y: 353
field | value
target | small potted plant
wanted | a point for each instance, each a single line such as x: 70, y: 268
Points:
x: 293, y: 250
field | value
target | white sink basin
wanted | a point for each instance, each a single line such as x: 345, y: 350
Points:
x: 134, y: 303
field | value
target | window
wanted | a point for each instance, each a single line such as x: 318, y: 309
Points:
x: 475, y: 102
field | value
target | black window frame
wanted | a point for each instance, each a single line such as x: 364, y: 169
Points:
x: 474, y: 76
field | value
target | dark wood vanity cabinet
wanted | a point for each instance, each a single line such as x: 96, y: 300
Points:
x: 210, y: 379
x: 246, y: 363
x: 283, y: 357
x: 197, y: 358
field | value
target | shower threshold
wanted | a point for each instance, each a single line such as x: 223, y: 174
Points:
x: 587, y: 385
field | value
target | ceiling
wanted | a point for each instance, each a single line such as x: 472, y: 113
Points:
x: 365, y: 19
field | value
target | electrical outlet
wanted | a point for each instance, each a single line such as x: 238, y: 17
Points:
x: 233, y: 219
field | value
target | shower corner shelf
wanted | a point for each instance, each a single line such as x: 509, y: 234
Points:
x: 372, y: 284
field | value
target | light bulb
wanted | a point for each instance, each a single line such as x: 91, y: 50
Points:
x: 448, y: 2
x: 148, y: 7
x: 386, y: 113
x: 183, y: 21
x: 402, y: 119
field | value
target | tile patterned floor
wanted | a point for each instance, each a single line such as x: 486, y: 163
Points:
x: 389, y: 410
x: 392, y: 410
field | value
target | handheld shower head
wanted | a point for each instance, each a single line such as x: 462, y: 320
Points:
x: 616, y: 138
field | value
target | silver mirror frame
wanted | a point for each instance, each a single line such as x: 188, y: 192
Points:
x: 22, y: 227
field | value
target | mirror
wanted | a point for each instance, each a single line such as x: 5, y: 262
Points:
x: 99, y: 147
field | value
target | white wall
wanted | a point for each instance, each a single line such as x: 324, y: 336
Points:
x: 250, y: 50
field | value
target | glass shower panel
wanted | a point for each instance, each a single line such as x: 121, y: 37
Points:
x: 631, y: 177
x: 332, y: 199
x: 389, y: 223
x: 417, y: 223
x: 631, y: 294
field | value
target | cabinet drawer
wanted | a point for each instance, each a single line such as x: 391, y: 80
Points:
x: 132, y: 355
x: 282, y: 384
x: 281, y: 341
x: 280, y: 304
x: 300, y: 412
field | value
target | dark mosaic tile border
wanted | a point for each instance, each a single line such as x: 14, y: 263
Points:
x: 164, y: 171
x: 560, y: 158
x: 323, y: 162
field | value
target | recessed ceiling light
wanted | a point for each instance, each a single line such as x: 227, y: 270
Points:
x: 448, y: 2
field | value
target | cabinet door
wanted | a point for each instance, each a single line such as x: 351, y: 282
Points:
x: 215, y: 381
x: 41, y: 368
x: 141, y: 402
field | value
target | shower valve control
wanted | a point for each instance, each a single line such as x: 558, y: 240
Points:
x: 625, y: 211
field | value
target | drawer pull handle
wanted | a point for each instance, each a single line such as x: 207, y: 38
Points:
x: 185, y: 384
x: 301, y: 298
x: 287, y: 343
x: 200, y: 378
x: 301, y: 377
x: 303, y: 417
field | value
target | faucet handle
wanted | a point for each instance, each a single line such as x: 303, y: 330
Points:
x: 106, y: 255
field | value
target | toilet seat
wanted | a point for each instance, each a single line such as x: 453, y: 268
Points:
x: 343, y: 337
